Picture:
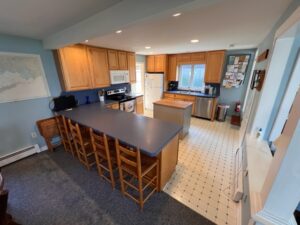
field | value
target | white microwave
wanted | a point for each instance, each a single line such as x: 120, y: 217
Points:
x: 119, y: 76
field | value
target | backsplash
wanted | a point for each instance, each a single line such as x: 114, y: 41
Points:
x: 93, y: 94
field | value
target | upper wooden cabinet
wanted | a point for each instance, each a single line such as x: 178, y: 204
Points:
x: 214, y: 66
x: 172, y: 68
x: 184, y: 58
x: 117, y: 60
x: 131, y: 66
x: 150, y: 63
x: 198, y: 58
x: 113, y: 59
x: 123, y: 64
x: 98, y: 63
x: 74, y: 68
x: 157, y: 63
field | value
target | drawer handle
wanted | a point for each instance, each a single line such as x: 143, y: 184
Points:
x: 245, y: 198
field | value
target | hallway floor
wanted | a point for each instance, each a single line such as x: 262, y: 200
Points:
x: 204, y: 173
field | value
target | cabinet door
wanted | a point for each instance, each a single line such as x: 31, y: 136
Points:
x: 160, y: 63
x: 184, y: 58
x: 172, y: 70
x: 131, y: 67
x: 150, y: 63
x: 74, y: 67
x: 214, y: 66
x: 99, y: 67
x: 198, y: 58
x: 113, y: 59
x: 140, y: 105
x: 122, y: 57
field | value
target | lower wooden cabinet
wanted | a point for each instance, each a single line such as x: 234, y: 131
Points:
x: 113, y: 106
x: 140, y: 105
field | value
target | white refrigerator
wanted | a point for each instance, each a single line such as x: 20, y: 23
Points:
x: 154, y: 85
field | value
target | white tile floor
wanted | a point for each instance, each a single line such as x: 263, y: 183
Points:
x: 203, y: 176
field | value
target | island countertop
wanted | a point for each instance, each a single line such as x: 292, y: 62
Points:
x: 150, y: 135
x: 173, y: 103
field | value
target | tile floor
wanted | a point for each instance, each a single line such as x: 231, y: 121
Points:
x: 202, y: 180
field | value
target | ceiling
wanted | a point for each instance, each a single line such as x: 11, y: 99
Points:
x: 241, y: 23
x: 40, y: 18
x: 216, y: 23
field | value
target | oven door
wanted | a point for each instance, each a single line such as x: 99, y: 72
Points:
x: 128, y: 106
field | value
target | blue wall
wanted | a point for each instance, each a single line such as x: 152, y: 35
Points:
x: 230, y: 96
x: 17, y: 119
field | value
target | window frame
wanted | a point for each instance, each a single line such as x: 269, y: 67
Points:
x: 191, y: 77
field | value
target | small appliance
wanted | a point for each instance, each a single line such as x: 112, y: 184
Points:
x: 119, y: 76
x: 173, y: 86
x: 63, y: 102
x: 126, y: 102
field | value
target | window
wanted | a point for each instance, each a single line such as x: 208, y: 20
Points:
x: 191, y: 76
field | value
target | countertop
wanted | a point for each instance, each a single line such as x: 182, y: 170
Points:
x: 150, y: 135
x: 173, y: 103
x: 192, y: 93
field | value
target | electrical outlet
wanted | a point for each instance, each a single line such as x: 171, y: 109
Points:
x: 33, y: 134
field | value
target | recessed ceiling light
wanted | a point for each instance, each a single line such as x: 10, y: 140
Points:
x: 86, y: 41
x: 147, y: 47
x: 177, y: 14
x: 118, y: 31
x: 194, y: 41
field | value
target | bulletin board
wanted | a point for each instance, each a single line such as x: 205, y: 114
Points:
x: 236, y: 69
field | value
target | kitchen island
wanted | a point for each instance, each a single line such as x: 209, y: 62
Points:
x: 175, y: 111
x: 155, y: 138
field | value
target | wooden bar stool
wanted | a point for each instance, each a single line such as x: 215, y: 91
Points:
x: 83, y: 146
x: 141, y: 173
x: 65, y: 134
x: 105, y: 154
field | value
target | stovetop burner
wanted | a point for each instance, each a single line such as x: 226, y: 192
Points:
x: 118, y: 95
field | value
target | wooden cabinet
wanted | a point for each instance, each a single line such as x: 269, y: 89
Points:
x: 160, y: 63
x: 214, y: 66
x: 156, y: 63
x: 184, y: 58
x: 131, y: 66
x: 151, y: 63
x: 140, y: 105
x: 99, y: 67
x: 117, y: 60
x: 182, y: 97
x: 198, y: 58
x: 74, y: 68
x: 122, y: 57
x: 113, y: 106
x: 172, y: 68
x: 113, y: 59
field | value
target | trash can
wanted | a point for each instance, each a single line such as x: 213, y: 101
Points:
x: 222, y: 111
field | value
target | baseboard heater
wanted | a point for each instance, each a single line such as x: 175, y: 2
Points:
x: 19, y: 154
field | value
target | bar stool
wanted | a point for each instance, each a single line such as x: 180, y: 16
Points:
x: 65, y: 134
x: 105, y: 154
x: 83, y: 146
x: 141, y: 173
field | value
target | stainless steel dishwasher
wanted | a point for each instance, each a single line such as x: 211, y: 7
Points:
x: 203, y: 107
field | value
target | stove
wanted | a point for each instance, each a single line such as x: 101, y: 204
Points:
x: 127, y: 103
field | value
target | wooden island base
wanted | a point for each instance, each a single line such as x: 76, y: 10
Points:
x: 168, y: 159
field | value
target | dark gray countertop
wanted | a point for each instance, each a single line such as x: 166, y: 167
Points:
x: 192, y: 93
x: 150, y: 135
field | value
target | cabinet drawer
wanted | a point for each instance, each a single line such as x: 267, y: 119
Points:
x: 139, y: 99
x: 167, y: 95
x: 113, y: 106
